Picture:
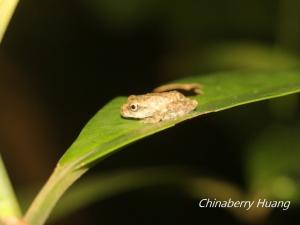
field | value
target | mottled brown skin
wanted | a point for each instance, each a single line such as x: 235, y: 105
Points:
x: 156, y: 107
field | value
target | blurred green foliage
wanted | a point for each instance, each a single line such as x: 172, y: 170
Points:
x: 272, y: 163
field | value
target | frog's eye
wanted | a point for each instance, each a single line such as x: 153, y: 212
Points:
x: 134, y: 107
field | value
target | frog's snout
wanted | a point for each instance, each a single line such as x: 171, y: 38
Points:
x: 123, y: 110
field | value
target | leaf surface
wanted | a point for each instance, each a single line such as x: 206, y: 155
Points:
x: 107, y: 131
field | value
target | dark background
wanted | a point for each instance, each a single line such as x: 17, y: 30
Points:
x: 62, y: 60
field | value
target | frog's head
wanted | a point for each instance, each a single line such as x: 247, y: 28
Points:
x: 136, y: 107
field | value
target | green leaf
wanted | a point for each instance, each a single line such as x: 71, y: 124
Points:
x: 107, y: 131
x: 9, y: 207
x: 7, y: 8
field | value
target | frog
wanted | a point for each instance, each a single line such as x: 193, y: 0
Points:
x: 157, y: 107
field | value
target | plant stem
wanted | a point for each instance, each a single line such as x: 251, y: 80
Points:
x: 9, y: 207
x: 60, y: 180
x: 7, y: 7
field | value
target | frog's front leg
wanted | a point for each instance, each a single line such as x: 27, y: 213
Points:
x: 155, y: 118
